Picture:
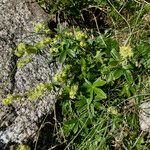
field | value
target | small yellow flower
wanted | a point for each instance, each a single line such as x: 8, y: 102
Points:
x: 82, y: 44
x: 37, y: 92
x: 125, y: 52
x: 80, y: 35
x: 69, y: 34
x: 8, y: 100
x: 73, y: 91
x: 59, y: 77
x: 56, y: 77
x: 21, y: 63
x: 43, y: 43
x: 20, y: 49
x: 23, y: 147
x: 55, y: 40
x: 40, y: 44
x: 47, y: 40
x: 47, y: 30
x: 112, y: 110
x: 54, y: 50
x: 39, y: 26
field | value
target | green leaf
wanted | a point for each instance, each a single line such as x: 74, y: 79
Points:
x: 81, y: 101
x: 87, y: 86
x: 100, y: 93
x: 110, y: 76
x: 128, y: 76
x: 90, y: 41
x: 99, y: 82
x: 91, y: 95
x: 125, y: 90
x: 83, y: 63
x: 112, y: 63
x: 88, y: 100
x: 115, y: 54
x: 117, y: 74
x: 71, y: 121
x: 71, y: 53
x: 62, y: 56
x: 146, y: 63
x: 75, y: 129
x: 83, y: 66
x: 88, y: 83
x: 92, y: 109
x: 105, y: 70
x: 111, y: 44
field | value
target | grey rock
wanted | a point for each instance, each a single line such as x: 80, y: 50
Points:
x: 18, y: 121
x: 144, y: 116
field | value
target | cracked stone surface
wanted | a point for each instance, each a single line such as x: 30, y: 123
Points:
x: 18, y: 121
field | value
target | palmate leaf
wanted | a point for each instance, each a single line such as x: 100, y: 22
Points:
x: 93, y: 88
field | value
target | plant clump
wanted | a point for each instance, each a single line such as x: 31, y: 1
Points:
x: 101, y: 81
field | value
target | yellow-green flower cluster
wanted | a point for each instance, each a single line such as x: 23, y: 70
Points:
x: 73, y: 91
x: 80, y: 35
x: 69, y: 34
x: 112, y: 110
x: 8, y: 100
x: 47, y: 40
x: 82, y: 43
x: 22, y: 147
x: 126, y: 52
x: 55, y: 39
x: 40, y: 44
x: 38, y: 91
x: 21, y: 63
x: 53, y: 50
x: 39, y: 26
x: 47, y: 30
x: 21, y: 48
x: 43, y: 43
x: 59, y: 77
